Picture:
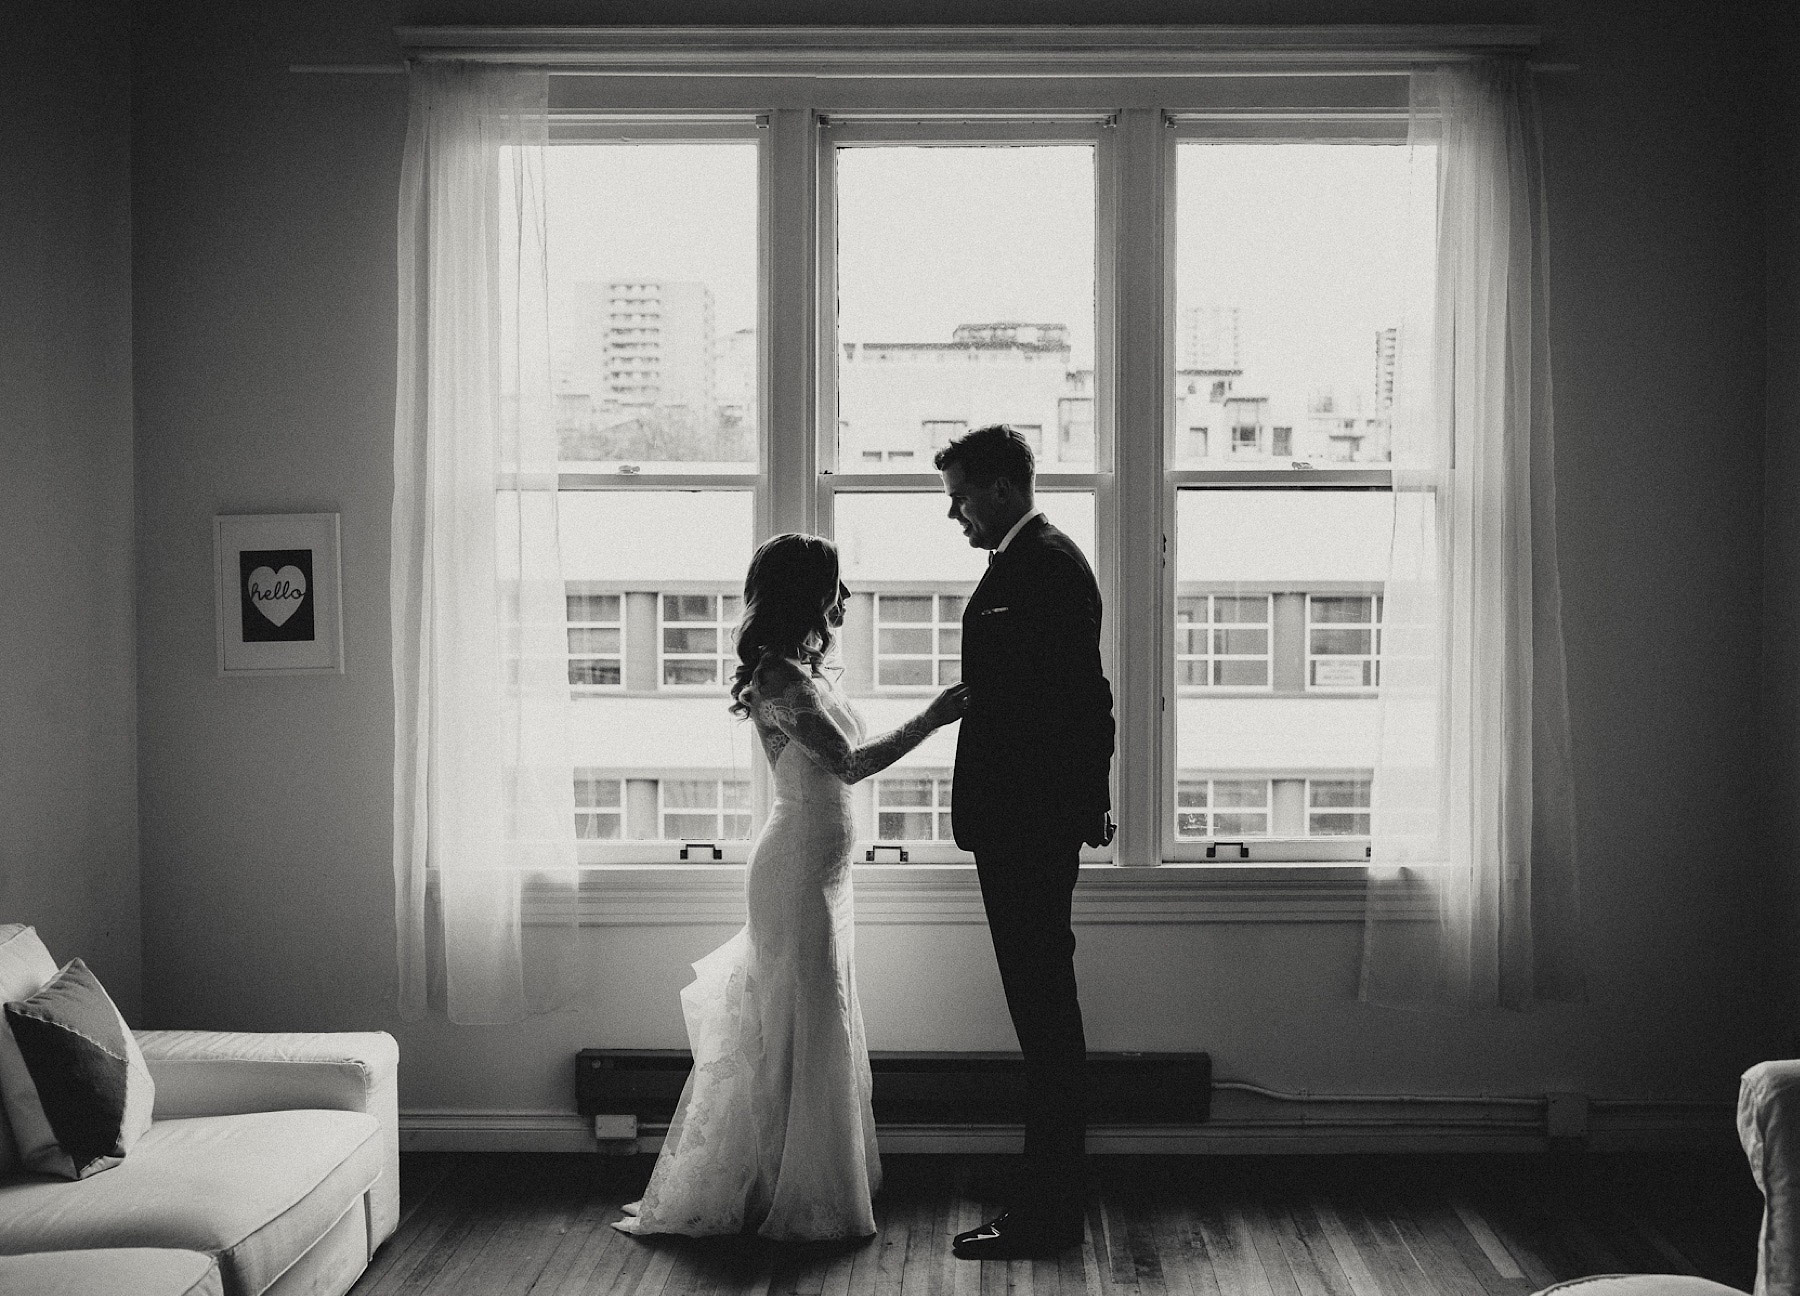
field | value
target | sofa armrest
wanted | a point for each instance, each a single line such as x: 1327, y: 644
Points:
x: 226, y: 1073
x: 1769, y: 1128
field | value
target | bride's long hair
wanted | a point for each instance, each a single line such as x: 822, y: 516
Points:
x: 792, y: 581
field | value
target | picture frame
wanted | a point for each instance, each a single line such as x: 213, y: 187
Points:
x: 278, y: 594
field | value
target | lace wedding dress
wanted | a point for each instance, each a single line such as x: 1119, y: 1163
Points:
x: 774, y: 1132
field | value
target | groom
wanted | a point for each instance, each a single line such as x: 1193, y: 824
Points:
x: 1031, y: 785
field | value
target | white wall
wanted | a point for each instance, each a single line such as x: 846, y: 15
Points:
x: 264, y: 219
x: 68, y: 741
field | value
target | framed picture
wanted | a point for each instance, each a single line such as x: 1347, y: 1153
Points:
x: 280, y: 600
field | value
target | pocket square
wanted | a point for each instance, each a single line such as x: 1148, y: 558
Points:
x: 990, y: 611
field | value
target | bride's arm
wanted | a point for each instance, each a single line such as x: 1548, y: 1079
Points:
x: 790, y: 701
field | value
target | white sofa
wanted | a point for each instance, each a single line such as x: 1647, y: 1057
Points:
x: 272, y: 1165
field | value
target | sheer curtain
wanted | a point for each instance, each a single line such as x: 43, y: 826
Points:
x: 1473, y: 897
x: 483, y: 786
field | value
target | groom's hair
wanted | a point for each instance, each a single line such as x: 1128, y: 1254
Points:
x: 989, y: 452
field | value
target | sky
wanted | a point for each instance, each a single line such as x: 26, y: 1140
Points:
x: 1307, y: 241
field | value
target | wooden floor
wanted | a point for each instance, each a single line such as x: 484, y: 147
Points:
x: 488, y: 1224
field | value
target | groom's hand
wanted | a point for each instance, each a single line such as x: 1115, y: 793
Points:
x: 1100, y: 831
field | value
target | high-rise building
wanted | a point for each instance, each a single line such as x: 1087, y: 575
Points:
x: 1207, y: 338
x: 1387, y: 356
x: 658, y: 347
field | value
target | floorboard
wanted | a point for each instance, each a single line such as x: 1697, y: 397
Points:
x: 524, y: 1224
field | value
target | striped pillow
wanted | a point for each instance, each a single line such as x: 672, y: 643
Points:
x: 89, y: 1093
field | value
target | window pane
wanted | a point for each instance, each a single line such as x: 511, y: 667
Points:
x: 953, y: 311
x: 903, y: 826
x: 593, y: 607
x: 1190, y: 794
x: 1291, y: 267
x: 597, y: 827
x: 691, y: 827
x: 734, y: 794
x: 903, y: 671
x: 684, y: 793
x: 905, y: 641
x: 899, y: 607
x: 1267, y: 709
x: 596, y: 791
x: 1240, y: 825
x: 950, y: 607
x: 666, y: 549
x: 905, y: 792
x: 1238, y: 793
x: 590, y: 672
x: 594, y: 641
x: 654, y: 303
x: 1330, y: 610
x: 949, y: 671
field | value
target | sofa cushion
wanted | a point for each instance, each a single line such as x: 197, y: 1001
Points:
x: 25, y: 965
x: 111, y: 1271
x: 256, y: 1190
x: 88, y: 1095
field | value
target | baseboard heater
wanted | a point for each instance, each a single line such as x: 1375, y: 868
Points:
x: 926, y: 1088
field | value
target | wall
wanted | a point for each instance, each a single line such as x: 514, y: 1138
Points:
x: 1781, y: 512
x: 264, y: 217
x: 68, y: 740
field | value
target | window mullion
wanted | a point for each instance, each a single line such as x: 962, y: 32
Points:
x: 1143, y: 284
x: 785, y: 501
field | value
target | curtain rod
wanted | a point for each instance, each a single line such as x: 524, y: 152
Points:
x: 400, y: 69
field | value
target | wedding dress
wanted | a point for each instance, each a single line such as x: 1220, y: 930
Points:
x: 774, y: 1132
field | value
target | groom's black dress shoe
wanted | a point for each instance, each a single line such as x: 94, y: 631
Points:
x: 1019, y: 1235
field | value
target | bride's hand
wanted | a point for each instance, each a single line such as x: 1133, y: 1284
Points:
x: 948, y: 705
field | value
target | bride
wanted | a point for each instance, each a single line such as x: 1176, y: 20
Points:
x: 774, y: 1132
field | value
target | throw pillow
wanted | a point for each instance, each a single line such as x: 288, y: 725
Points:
x: 89, y: 1094
x: 25, y: 965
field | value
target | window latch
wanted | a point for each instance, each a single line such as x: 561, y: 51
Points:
x: 717, y: 854
x: 1212, y: 851
x: 899, y: 857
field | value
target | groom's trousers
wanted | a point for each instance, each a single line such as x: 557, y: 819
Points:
x: 1027, y: 885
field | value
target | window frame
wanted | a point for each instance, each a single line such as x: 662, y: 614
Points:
x: 1151, y: 93
x: 722, y: 657
x: 581, y: 690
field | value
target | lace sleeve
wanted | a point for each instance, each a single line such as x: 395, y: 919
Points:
x: 793, y: 705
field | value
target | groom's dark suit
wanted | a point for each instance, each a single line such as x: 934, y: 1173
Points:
x: 1032, y: 761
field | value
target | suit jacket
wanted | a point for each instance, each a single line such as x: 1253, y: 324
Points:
x: 1036, y: 744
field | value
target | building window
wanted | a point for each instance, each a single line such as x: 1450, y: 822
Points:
x: 599, y: 807
x: 1246, y: 439
x: 1281, y: 443
x: 705, y: 809
x: 918, y: 640
x: 913, y: 807
x: 1337, y: 807
x: 1343, y: 642
x: 1222, y: 641
x: 941, y: 432
x: 596, y: 641
x: 1221, y: 807
x: 697, y: 649
x: 1195, y: 445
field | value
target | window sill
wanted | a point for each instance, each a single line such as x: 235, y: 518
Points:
x: 916, y: 894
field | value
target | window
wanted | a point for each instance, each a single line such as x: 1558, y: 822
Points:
x: 909, y: 258
x: 1338, y: 807
x: 1292, y: 253
x: 1222, y: 641
x: 654, y: 316
x: 1222, y: 807
x: 709, y: 810
x: 1343, y: 641
x: 913, y: 807
x: 697, y: 650
x: 596, y: 641
x: 918, y: 640
x: 599, y: 807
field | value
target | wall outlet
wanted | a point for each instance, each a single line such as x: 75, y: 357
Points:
x: 1566, y: 1115
x: 615, y: 1127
